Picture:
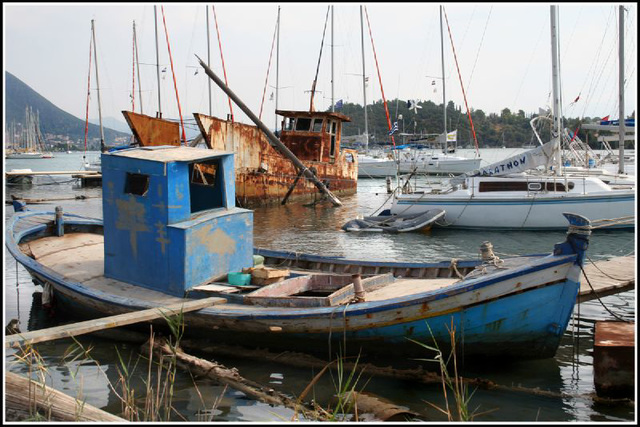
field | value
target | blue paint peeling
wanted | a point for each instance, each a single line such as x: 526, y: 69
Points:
x: 178, y: 232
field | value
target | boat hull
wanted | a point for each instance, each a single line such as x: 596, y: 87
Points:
x: 526, y: 325
x: 518, y: 312
x: 440, y: 166
x: 526, y: 213
x: 264, y: 176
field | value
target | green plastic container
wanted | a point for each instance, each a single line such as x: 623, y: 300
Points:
x: 239, y: 279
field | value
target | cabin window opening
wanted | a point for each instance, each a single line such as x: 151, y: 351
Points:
x: 332, y: 132
x: 317, y: 125
x: 288, y: 124
x: 206, y: 186
x: 136, y: 184
x: 203, y: 174
x: 487, y: 186
x: 557, y: 186
x: 303, y: 124
x: 535, y: 186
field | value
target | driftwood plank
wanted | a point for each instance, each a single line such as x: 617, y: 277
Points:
x: 74, y: 329
x: 231, y: 378
x: 23, y: 396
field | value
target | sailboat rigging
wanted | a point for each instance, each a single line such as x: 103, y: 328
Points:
x: 502, y: 196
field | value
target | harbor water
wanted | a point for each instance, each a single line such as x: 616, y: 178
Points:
x: 315, y: 228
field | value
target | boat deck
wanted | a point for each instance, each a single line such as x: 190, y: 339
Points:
x: 79, y: 258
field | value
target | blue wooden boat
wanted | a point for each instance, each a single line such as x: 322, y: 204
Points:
x: 171, y: 232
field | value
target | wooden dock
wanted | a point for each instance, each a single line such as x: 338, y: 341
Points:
x: 607, y: 277
x: 35, y: 173
x: 74, y: 329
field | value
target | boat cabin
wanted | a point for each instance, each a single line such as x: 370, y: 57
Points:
x: 312, y: 136
x: 170, y: 219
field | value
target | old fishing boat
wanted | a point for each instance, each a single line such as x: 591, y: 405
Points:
x: 171, y: 233
x: 264, y: 174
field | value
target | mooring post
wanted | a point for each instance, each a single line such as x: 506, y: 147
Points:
x: 59, y: 222
x: 358, y: 288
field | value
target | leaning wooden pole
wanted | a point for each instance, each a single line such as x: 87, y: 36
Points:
x: 272, y: 138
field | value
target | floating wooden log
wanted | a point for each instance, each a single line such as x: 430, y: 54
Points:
x: 24, y: 397
x: 233, y: 379
x: 370, y: 407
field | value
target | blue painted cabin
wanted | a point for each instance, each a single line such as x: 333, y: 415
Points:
x: 170, y: 220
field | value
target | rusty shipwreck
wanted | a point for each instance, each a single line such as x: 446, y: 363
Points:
x: 264, y: 174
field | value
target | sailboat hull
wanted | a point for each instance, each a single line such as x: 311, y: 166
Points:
x: 472, y: 208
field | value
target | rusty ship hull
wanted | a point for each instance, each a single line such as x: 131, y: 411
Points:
x: 264, y: 176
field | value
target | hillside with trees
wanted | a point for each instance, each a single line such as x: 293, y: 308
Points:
x: 509, y: 129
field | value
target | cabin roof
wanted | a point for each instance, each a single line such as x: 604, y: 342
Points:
x: 331, y: 114
x: 170, y: 153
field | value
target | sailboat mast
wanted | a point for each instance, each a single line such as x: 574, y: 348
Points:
x: 135, y: 44
x: 621, y: 124
x: 155, y: 16
x: 95, y: 57
x: 209, y: 60
x: 364, y: 84
x: 277, y: 65
x: 444, y: 98
x: 333, y: 107
x: 557, y: 111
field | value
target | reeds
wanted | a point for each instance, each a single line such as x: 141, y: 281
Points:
x: 452, y: 382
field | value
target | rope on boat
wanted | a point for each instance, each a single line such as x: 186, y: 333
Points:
x: 600, y: 223
x: 454, y: 265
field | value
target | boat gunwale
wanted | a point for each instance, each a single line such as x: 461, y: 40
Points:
x: 257, y: 312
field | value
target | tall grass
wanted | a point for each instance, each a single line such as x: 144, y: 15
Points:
x: 452, y: 383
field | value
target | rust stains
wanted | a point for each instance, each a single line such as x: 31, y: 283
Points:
x: 264, y: 175
x: 152, y: 131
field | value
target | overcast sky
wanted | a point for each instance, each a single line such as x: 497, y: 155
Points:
x: 503, y: 53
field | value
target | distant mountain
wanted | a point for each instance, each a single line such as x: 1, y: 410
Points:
x: 112, y: 123
x: 53, y: 120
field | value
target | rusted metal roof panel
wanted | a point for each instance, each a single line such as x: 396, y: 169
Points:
x: 330, y: 114
x: 152, y: 131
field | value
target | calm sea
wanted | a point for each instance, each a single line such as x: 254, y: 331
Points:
x: 316, y: 229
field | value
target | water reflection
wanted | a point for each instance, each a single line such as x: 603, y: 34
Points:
x: 568, y: 377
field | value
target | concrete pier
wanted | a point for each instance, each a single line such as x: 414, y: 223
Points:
x: 613, y: 359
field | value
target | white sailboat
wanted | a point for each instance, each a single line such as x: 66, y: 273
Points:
x: 31, y: 144
x: 508, y: 195
x: 441, y: 162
